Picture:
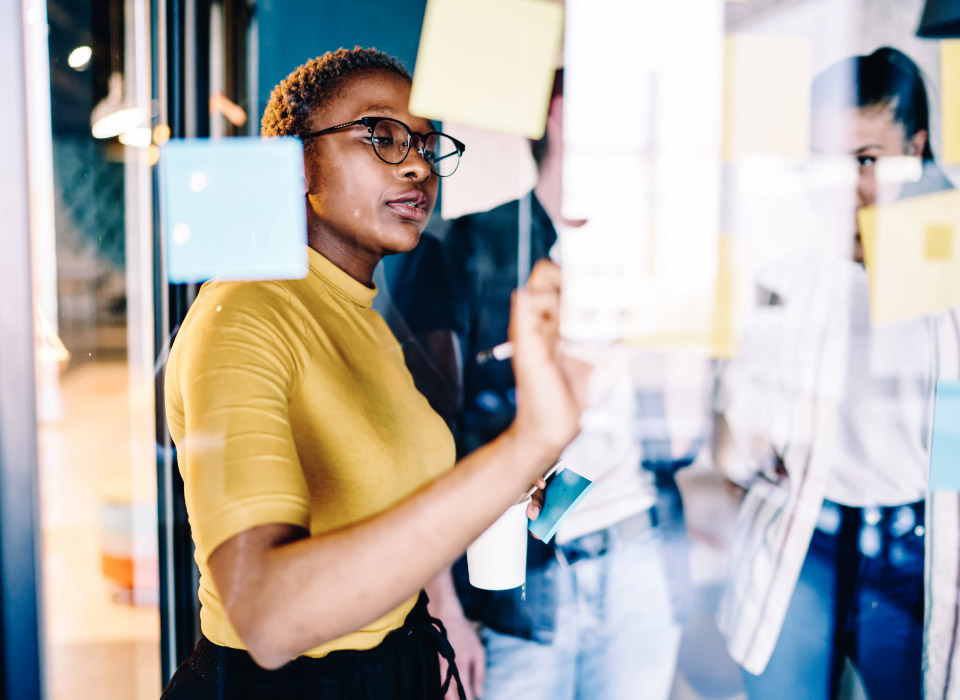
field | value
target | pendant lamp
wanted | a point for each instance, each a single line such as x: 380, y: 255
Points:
x: 940, y: 20
x: 113, y: 116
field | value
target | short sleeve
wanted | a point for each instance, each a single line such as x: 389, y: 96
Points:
x: 237, y: 361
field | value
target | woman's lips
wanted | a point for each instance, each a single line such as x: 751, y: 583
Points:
x: 408, y: 211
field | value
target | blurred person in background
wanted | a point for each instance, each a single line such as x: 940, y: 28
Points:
x: 600, y: 614
x: 318, y: 481
x: 825, y: 421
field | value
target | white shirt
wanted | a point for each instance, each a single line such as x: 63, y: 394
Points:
x: 881, y: 453
x: 608, y: 453
x: 609, y: 448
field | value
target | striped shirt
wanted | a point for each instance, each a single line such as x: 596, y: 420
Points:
x: 784, y: 391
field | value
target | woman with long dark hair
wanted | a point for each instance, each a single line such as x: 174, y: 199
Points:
x: 828, y: 564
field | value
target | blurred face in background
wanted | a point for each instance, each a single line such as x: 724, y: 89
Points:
x: 866, y: 135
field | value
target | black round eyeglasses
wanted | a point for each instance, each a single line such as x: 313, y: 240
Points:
x: 391, y: 141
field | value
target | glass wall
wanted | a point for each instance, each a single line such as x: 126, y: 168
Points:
x: 89, y: 107
x: 753, y: 206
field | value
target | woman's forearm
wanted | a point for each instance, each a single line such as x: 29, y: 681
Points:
x: 286, y: 597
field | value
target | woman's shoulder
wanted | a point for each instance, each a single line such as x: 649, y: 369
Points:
x: 253, y: 306
x: 219, y: 296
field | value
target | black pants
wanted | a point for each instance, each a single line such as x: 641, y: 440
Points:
x: 405, y: 666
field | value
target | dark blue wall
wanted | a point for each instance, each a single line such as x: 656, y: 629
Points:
x: 293, y: 31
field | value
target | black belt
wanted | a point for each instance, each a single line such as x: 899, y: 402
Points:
x: 598, y: 543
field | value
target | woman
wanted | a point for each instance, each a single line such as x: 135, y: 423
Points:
x: 828, y: 563
x: 318, y: 481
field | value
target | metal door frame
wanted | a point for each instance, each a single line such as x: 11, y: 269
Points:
x: 20, y: 642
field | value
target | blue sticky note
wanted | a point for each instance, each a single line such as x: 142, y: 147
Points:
x: 564, y: 491
x: 233, y: 208
x: 945, y: 444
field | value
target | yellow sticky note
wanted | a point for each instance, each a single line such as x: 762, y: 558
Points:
x: 950, y: 87
x: 766, y: 96
x: 488, y: 63
x: 939, y: 241
x: 908, y: 248
x: 713, y: 331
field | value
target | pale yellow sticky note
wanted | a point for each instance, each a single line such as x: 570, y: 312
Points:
x: 910, y: 250
x: 488, y: 63
x: 766, y: 96
x: 712, y: 332
x: 950, y: 88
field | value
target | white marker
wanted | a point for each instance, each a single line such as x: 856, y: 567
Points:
x: 503, y: 351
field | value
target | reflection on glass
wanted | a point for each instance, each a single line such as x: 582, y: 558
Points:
x: 825, y: 416
x: 97, y: 461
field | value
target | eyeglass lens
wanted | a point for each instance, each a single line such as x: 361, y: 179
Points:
x: 391, y: 141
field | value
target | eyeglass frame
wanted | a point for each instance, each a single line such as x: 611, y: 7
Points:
x: 371, y: 124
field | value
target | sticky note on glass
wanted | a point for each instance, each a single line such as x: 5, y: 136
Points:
x: 234, y: 209
x: 704, y: 323
x: 911, y: 252
x: 564, y: 492
x: 488, y: 63
x: 945, y: 443
x: 766, y: 96
x: 950, y: 88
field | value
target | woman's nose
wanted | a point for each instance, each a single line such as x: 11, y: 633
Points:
x: 414, y: 166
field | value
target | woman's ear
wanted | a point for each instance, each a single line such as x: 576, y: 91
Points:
x: 917, y: 143
x: 309, y: 175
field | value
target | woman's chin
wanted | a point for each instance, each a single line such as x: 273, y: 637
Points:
x: 402, y: 241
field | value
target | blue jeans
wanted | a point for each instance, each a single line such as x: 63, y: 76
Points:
x: 859, y: 596
x: 616, y: 636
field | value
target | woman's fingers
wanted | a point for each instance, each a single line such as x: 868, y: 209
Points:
x: 546, y: 406
x: 545, y: 277
x: 536, y: 499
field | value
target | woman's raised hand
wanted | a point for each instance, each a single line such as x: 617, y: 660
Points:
x: 547, y: 411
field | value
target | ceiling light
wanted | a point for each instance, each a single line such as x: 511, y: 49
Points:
x: 113, y: 116
x: 139, y: 137
x: 161, y: 134
x: 79, y: 58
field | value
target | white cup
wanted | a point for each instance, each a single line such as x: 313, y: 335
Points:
x: 497, y: 559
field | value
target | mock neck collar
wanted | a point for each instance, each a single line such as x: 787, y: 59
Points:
x: 342, y: 284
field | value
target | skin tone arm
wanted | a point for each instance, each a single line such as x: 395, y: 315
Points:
x: 286, y: 592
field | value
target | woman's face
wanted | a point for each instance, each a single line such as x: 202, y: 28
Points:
x: 355, y: 211
x: 866, y: 134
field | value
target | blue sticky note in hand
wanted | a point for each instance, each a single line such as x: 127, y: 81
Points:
x: 565, y: 490
x: 945, y: 443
